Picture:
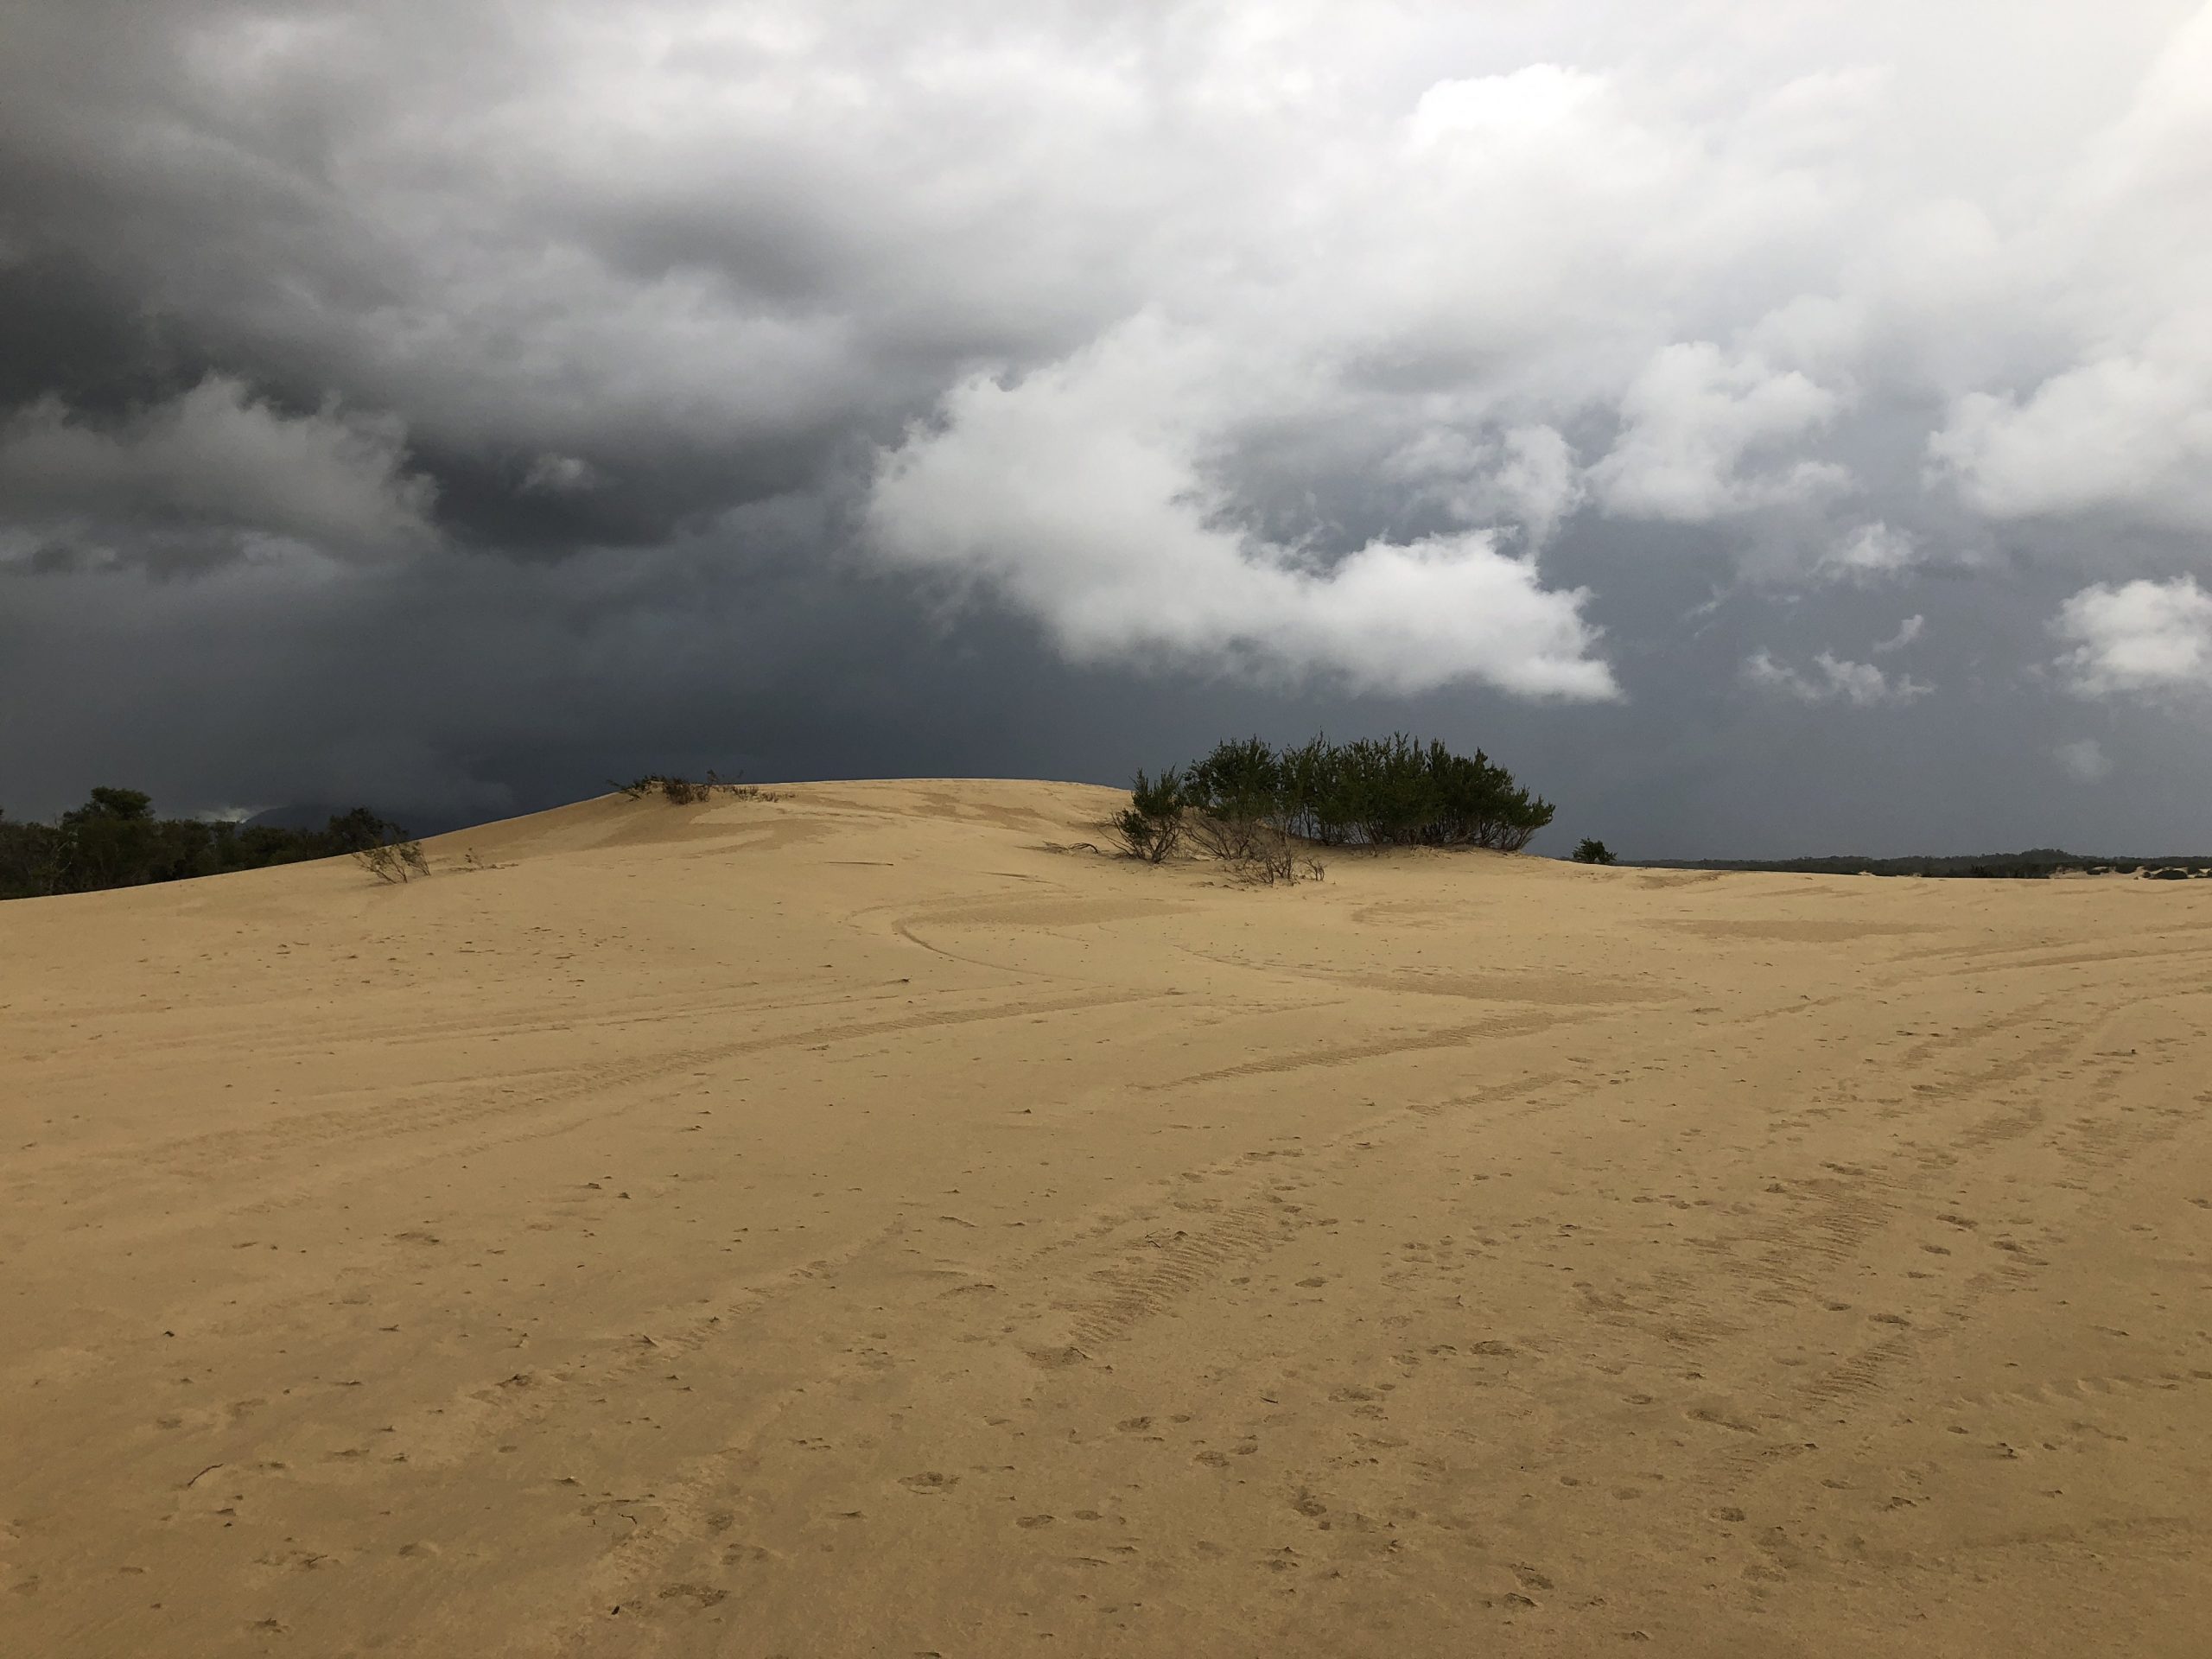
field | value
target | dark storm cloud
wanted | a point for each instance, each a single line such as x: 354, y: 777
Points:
x: 1759, y: 435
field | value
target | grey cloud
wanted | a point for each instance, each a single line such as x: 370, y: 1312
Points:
x: 1832, y: 679
x: 2083, y: 760
x: 560, y: 475
x: 215, y: 463
x: 1494, y: 343
x: 1872, y: 552
x: 1909, y: 631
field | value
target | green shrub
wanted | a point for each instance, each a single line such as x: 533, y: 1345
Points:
x: 1151, y: 826
x: 1255, y: 807
x: 1388, y: 792
x: 1588, y: 851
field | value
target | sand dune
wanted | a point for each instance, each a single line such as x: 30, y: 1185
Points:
x: 842, y: 1225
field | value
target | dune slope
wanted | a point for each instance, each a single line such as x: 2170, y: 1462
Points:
x: 846, y: 1226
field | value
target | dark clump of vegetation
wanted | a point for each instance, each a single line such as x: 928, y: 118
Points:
x: 682, y: 792
x: 687, y: 791
x: 397, y: 860
x: 115, y: 841
x: 1590, y: 851
x: 1261, y: 810
x: 1151, y: 826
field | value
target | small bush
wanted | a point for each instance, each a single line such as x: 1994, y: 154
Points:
x: 395, y: 860
x: 738, y: 789
x: 1254, y: 849
x: 1268, y: 856
x: 679, y: 791
x: 1151, y: 826
x: 686, y: 792
x: 1589, y: 851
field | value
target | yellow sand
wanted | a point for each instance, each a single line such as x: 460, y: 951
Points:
x: 844, y: 1225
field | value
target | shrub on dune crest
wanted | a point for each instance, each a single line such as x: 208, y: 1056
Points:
x: 688, y: 792
x: 1256, y: 807
x: 680, y: 792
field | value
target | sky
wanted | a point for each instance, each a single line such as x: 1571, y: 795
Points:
x: 1767, y: 428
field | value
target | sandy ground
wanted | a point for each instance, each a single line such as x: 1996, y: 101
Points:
x: 844, y: 1225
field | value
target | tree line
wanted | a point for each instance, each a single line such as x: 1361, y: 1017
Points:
x: 115, y: 841
x: 2035, y: 863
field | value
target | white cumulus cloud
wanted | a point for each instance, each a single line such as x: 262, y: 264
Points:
x: 2138, y: 639
x: 1832, y: 679
x: 1527, y: 478
x: 1079, y: 494
x: 1907, y: 632
x: 1869, y: 554
x: 1707, y: 434
x: 2117, y: 415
